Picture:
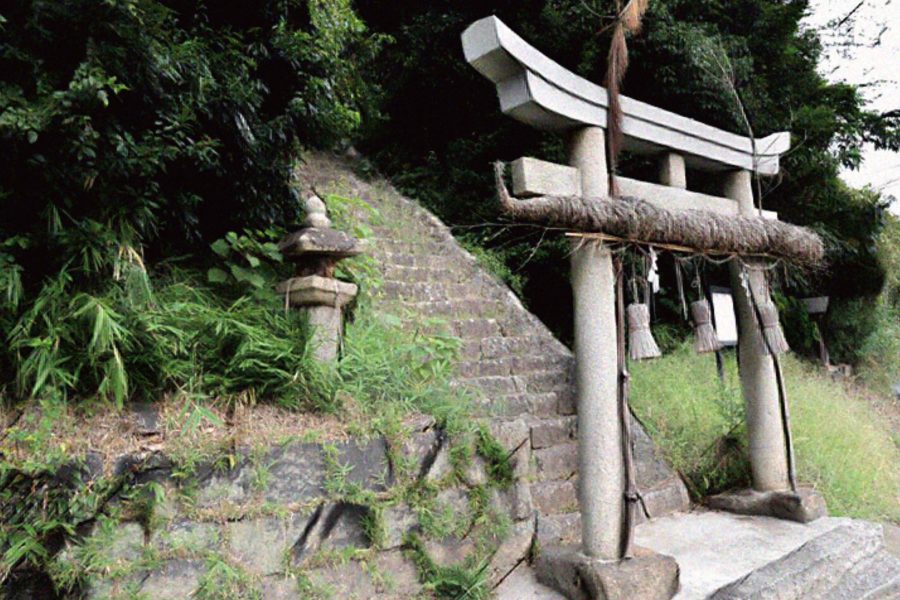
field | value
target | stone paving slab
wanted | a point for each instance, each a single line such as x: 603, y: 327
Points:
x: 892, y: 539
x: 714, y: 549
x: 522, y: 584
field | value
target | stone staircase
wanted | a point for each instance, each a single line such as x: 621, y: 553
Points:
x: 520, y: 374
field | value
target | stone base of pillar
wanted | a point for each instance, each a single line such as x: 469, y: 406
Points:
x: 648, y: 575
x: 322, y: 299
x: 803, y: 506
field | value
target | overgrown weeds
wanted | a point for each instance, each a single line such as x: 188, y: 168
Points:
x: 467, y: 581
x: 183, y: 336
x: 841, y: 447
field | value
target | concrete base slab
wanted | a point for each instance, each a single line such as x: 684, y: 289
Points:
x: 847, y: 562
x: 892, y: 538
x: 803, y: 506
x: 648, y: 575
x: 714, y: 549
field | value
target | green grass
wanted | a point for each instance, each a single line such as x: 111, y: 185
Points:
x: 841, y: 447
x: 879, y: 365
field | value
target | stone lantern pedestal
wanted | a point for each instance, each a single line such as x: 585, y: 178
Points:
x: 315, y: 250
x: 323, y: 300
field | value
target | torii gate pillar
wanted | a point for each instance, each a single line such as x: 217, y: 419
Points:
x: 600, y: 463
x: 768, y: 455
x: 771, y: 493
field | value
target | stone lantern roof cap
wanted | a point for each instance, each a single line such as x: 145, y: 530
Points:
x: 319, y: 241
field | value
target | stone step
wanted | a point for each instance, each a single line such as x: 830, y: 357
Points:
x: 458, y: 308
x: 494, y: 386
x: 547, y: 381
x: 415, y: 220
x: 515, y: 404
x: 464, y: 329
x: 407, y: 274
x: 494, y: 367
x: 724, y: 556
x: 429, y: 291
x: 520, y: 382
x: 505, y: 346
x: 412, y: 259
x: 417, y: 246
x: 423, y: 274
x: 534, y: 365
x: 476, y: 328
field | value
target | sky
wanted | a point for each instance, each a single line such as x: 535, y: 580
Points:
x: 875, y: 64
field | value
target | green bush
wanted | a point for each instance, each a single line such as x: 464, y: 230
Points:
x: 866, y: 331
x: 134, y: 341
x: 165, y: 122
x: 183, y: 335
x: 799, y: 328
x: 849, y: 322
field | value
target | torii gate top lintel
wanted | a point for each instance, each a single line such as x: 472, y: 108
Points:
x: 540, y: 92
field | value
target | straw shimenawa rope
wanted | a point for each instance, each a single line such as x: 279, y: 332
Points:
x: 640, y: 221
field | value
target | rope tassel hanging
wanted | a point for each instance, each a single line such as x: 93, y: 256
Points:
x: 641, y: 344
x: 771, y: 329
x: 705, y: 338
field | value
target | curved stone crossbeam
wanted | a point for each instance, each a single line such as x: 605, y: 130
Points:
x: 540, y: 92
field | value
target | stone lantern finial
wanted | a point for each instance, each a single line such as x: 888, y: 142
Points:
x: 316, y: 213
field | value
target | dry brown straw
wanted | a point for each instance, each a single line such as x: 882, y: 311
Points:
x: 636, y: 220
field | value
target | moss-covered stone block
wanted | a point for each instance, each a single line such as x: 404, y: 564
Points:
x: 262, y: 546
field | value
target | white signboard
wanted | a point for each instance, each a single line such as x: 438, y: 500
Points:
x: 723, y: 316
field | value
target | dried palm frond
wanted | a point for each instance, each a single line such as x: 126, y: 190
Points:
x: 628, y: 20
x: 633, y: 14
x: 617, y: 64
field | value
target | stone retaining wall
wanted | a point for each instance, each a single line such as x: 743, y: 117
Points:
x: 301, y: 520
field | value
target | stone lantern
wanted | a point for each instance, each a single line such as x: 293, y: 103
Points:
x: 315, y: 251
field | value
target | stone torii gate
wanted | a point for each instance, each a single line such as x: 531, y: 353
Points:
x: 537, y: 91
